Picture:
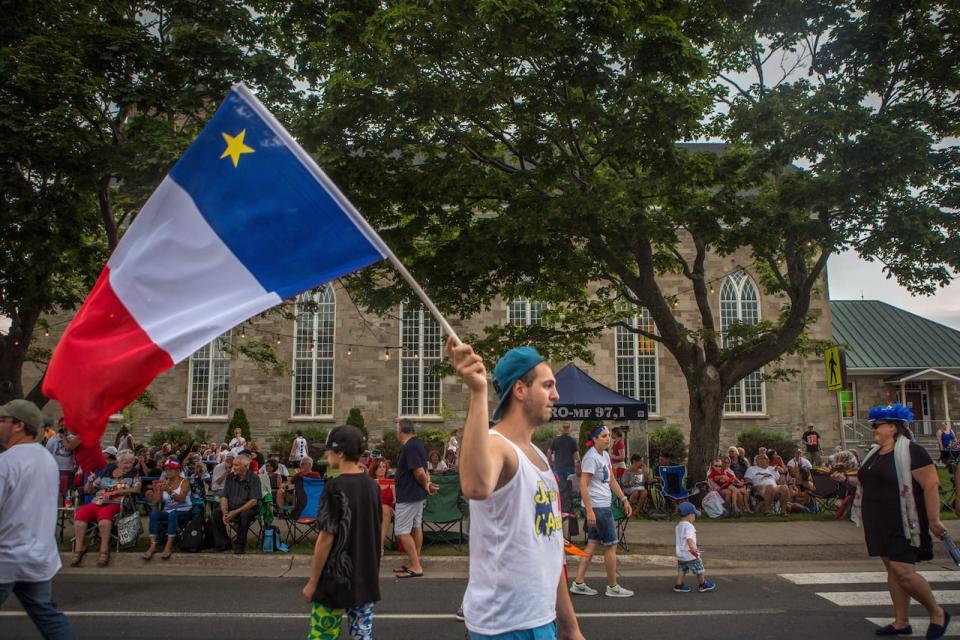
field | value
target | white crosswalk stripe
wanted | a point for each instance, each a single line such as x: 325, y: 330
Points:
x: 879, y: 598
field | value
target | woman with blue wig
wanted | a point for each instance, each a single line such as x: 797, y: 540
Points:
x: 898, y: 506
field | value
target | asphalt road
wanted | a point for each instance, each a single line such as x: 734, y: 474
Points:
x: 744, y: 607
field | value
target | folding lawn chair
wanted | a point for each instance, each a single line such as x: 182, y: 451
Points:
x: 443, y: 513
x: 826, y: 490
x: 302, y: 519
x: 621, y: 519
x: 673, y: 486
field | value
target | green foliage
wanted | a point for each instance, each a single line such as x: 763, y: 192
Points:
x: 390, y: 447
x: 572, y: 114
x: 585, y: 428
x: 281, y: 442
x: 174, y: 435
x: 356, y: 419
x: 239, y: 419
x: 434, y: 439
x: 752, y: 439
x: 668, y: 439
x: 202, y: 435
x: 544, y: 435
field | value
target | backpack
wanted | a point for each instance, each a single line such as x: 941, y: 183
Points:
x: 192, y: 538
x: 271, y: 540
x: 713, y: 504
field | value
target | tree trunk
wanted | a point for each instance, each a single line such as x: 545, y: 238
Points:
x: 706, y: 411
x: 13, y: 353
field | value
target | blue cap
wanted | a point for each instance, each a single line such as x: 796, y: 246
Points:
x: 686, y: 508
x: 511, y: 367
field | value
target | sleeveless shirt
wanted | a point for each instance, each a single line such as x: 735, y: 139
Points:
x: 516, y: 552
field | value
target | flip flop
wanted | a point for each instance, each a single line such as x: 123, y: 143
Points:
x: 408, y: 574
x: 402, y: 569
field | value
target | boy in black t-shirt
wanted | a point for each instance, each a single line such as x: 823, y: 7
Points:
x: 346, y: 558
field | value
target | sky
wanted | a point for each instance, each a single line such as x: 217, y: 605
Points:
x: 850, y: 278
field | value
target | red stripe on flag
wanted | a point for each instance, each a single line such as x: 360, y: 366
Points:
x: 102, y: 363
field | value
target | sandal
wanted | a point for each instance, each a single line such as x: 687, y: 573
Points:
x: 408, y: 574
x: 77, y: 557
x: 166, y: 555
x: 103, y: 559
x: 148, y: 554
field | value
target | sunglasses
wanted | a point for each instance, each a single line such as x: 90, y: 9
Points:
x: 876, y: 425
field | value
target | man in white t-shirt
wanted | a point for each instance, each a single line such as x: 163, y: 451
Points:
x: 517, y: 582
x: 29, y: 485
x: 61, y: 446
x: 766, y: 484
x: 298, y: 449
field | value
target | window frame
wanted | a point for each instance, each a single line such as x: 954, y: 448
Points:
x: 635, y: 360
x: 210, y: 361
x: 314, y: 358
x: 738, y: 285
x: 422, y: 374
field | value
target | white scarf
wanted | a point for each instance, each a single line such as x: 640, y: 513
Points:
x: 908, y: 503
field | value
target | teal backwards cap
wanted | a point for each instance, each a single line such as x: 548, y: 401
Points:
x: 511, y: 367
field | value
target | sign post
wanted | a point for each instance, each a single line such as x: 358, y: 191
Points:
x: 835, y: 361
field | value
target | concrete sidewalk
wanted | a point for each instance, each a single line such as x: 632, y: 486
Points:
x: 729, y: 547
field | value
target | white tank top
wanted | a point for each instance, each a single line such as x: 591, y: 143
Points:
x: 516, y: 552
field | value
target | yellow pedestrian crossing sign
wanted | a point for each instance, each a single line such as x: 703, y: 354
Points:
x: 836, y: 363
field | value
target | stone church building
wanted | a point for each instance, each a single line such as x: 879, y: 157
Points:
x: 339, y: 359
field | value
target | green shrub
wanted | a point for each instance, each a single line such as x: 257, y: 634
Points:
x: 202, y: 435
x: 356, y: 419
x: 669, y: 440
x: 239, y: 419
x: 585, y: 428
x: 434, y: 439
x: 175, y: 436
x: 390, y: 448
x: 281, y: 442
x: 752, y: 439
x: 544, y: 435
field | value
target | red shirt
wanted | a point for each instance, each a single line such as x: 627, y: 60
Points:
x: 721, y: 478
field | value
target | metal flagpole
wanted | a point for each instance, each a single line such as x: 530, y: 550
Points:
x: 347, y: 206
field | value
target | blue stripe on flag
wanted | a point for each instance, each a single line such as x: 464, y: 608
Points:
x: 271, y: 212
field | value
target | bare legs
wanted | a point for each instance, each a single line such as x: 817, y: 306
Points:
x: 904, y: 583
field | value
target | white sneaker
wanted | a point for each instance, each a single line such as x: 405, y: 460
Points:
x: 617, y: 591
x: 582, y: 589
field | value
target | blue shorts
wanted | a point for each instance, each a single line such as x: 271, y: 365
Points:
x: 546, y: 632
x: 605, y: 532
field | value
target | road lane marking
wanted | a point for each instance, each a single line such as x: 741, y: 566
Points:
x: 875, y: 598
x: 919, y: 626
x: 391, y: 616
x: 864, y: 577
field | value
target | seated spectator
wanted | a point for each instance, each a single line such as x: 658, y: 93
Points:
x: 796, y: 463
x: 663, y: 460
x: 765, y: 484
x: 146, y: 465
x: 238, y: 506
x: 111, y: 485
x: 220, y: 472
x: 379, y: 471
x: 174, y: 504
x: 305, y: 471
x: 801, y: 493
x: 634, y: 483
x: 722, y: 480
x: 255, y: 454
x: 776, y: 461
x: 272, y: 471
x: 736, y: 462
x: 199, y: 481
x: 110, y: 455
x: 434, y: 463
x: 451, y: 460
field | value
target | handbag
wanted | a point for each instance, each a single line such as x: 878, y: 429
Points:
x: 713, y: 504
x: 129, y: 528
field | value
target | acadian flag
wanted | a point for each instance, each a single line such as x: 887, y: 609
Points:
x: 244, y: 220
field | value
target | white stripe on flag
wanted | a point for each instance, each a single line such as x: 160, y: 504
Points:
x: 178, y: 280
x: 864, y: 577
x: 880, y: 598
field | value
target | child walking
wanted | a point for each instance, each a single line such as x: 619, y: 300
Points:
x: 688, y: 555
x: 344, y: 577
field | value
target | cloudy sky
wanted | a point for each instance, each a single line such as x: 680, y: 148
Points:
x: 851, y: 278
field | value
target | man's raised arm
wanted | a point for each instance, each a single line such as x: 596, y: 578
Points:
x: 480, y: 460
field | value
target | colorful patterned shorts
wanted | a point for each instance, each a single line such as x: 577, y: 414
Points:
x: 325, y: 622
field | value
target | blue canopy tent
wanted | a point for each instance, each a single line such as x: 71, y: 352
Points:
x: 583, y: 398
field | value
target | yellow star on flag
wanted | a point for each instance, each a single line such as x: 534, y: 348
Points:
x: 235, y: 147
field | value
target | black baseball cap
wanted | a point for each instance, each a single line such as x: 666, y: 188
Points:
x: 346, y: 439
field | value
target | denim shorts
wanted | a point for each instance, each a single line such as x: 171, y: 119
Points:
x: 605, y: 532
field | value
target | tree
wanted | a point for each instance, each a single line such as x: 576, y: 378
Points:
x: 97, y: 101
x: 238, y: 421
x: 518, y: 148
